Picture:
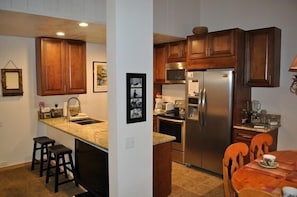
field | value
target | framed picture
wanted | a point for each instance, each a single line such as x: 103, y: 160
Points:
x: 136, y: 97
x: 12, y: 84
x: 100, y: 79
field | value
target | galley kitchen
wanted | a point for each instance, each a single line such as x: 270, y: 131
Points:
x: 241, y: 49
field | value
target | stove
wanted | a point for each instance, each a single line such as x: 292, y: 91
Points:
x: 173, y: 123
x: 172, y: 115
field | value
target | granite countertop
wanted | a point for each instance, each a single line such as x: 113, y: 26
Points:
x: 96, y: 133
x: 267, y: 128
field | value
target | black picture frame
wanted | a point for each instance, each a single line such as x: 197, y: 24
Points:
x: 136, y: 97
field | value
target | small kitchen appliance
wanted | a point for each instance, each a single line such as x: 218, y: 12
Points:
x: 167, y: 106
x: 158, y: 104
x: 256, y: 106
x: 175, y: 72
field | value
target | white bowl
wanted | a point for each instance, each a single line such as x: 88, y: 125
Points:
x: 289, y: 191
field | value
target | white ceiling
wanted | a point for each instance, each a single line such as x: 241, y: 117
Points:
x: 30, y: 25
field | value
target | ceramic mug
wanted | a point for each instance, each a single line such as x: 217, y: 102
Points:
x: 269, y: 159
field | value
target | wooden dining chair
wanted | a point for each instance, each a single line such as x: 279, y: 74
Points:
x: 260, y: 145
x: 232, y: 161
x: 250, y: 192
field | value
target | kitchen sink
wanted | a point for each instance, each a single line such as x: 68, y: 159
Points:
x: 86, y: 121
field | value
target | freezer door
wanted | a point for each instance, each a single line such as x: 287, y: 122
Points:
x: 193, y: 145
x: 216, y: 133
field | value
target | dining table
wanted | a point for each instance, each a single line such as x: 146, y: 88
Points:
x: 271, y: 179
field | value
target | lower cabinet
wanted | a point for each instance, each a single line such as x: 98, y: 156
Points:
x: 162, y: 169
x: 162, y: 159
x: 245, y: 136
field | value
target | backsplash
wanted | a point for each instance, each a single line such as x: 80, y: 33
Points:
x: 172, y: 92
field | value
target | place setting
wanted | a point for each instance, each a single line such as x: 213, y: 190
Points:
x: 268, y: 161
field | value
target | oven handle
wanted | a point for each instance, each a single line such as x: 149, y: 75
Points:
x: 171, y: 120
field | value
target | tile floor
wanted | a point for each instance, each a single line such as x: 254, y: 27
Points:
x: 186, y: 182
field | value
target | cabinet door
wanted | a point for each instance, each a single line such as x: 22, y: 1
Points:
x: 197, y: 46
x: 160, y: 59
x: 60, y: 66
x: 76, y: 67
x: 263, y: 57
x: 177, y: 51
x: 50, y: 68
x: 221, y: 43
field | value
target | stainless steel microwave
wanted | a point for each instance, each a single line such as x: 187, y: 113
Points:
x: 175, y: 72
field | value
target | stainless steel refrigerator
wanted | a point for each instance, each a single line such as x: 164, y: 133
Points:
x: 209, y: 97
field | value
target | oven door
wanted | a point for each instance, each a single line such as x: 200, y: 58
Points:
x: 174, y: 128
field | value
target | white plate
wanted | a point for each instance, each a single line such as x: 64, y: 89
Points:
x: 263, y: 164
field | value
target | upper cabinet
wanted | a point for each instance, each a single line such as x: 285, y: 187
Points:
x: 160, y: 59
x: 60, y: 66
x: 177, y: 51
x: 263, y: 57
x: 213, y: 50
x: 214, y: 44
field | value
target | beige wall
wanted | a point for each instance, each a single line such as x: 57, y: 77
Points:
x: 18, y: 114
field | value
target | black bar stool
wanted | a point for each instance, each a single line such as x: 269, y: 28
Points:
x: 44, y: 143
x: 57, y: 153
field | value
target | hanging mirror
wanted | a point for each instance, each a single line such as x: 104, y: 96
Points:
x: 12, y: 84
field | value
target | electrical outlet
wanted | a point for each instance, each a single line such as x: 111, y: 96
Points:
x: 130, y: 143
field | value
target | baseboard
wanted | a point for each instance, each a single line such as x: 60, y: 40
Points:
x: 15, y: 166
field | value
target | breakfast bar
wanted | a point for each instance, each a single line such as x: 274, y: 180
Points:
x: 96, y: 134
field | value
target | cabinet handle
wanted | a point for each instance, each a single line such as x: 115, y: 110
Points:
x: 269, y: 79
x: 245, y: 136
x: 207, y: 52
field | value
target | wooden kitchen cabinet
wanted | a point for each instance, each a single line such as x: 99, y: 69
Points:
x: 214, y: 49
x: 177, y: 51
x: 245, y: 136
x: 213, y: 44
x: 60, y: 66
x: 162, y: 168
x: 263, y: 57
x: 160, y: 59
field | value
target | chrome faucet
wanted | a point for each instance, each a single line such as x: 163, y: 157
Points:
x: 69, y: 114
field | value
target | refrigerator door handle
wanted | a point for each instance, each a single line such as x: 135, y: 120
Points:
x: 200, y: 108
x: 203, y: 107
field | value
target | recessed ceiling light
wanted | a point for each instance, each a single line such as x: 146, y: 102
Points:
x: 60, y: 33
x: 83, y: 24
